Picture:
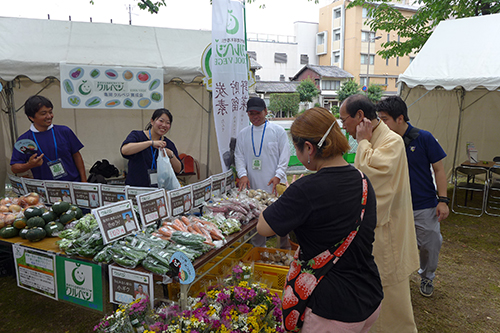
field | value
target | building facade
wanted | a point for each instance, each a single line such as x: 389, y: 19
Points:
x: 344, y: 39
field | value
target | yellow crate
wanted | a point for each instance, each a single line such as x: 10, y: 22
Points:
x: 273, y: 276
x: 278, y: 292
x: 174, y: 288
x: 256, y: 254
x: 238, y: 254
x: 223, y: 266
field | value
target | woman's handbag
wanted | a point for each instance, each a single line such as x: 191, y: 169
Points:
x: 166, y: 175
x: 303, y: 277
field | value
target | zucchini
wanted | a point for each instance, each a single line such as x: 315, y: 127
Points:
x: 124, y: 261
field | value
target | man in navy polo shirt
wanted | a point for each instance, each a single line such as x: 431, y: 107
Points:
x: 57, y: 155
x: 429, y: 208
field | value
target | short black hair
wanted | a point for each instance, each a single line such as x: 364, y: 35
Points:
x: 34, y: 103
x: 357, y: 102
x: 394, y: 106
x: 158, y: 113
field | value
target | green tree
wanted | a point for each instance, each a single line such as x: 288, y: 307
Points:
x: 307, y: 90
x: 374, y: 92
x: 347, y: 89
x: 416, y: 29
x: 284, y: 105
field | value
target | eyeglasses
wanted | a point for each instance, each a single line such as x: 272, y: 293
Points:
x: 343, y: 120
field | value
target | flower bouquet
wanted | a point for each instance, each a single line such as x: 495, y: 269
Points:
x: 118, y: 322
x: 237, y: 305
x: 138, y: 312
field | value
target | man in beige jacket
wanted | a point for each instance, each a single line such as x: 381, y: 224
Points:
x: 381, y: 156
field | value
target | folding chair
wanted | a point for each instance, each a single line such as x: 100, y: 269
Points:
x: 493, y: 193
x: 476, y: 181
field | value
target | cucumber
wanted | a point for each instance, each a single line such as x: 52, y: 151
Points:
x: 187, y: 238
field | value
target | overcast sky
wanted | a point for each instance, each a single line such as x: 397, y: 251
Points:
x: 277, y: 18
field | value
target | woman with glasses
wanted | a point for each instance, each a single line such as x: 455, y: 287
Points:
x: 334, y: 279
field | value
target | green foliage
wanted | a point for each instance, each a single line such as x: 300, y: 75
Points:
x: 307, y: 90
x: 416, y: 29
x: 347, y: 89
x: 335, y: 109
x: 374, y: 92
x: 284, y: 105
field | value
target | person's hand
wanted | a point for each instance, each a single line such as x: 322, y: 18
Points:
x: 243, y: 183
x: 161, y: 144
x: 35, y: 161
x: 442, y: 211
x: 274, y: 181
x: 364, y: 130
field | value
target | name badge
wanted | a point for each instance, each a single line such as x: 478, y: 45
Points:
x: 256, y: 164
x: 153, y: 178
x: 57, y: 169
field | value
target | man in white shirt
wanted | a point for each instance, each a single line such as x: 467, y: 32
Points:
x: 261, y: 156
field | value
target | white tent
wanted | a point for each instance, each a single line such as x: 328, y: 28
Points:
x: 452, y: 87
x: 32, y: 50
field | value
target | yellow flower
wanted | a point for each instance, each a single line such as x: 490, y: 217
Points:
x: 243, y: 284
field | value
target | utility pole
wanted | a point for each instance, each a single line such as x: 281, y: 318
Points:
x: 368, y: 58
x: 129, y: 15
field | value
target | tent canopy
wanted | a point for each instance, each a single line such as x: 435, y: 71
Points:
x: 34, y: 48
x: 459, y: 53
x: 451, y: 87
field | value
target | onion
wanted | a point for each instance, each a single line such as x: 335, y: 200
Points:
x: 32, y: 200
x: 5, y: 201
x: 4, y: 209
x: 15, y: 208
x: 9, y: 219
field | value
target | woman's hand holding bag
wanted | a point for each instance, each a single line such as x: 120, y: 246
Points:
x: 166, y: 174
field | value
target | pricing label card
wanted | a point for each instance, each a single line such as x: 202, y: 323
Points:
x: 116, y: 220
x: 152, y: 206
x: 112, y: 193
x: 87, y: 195
x: 218, y: 185
x: 180, y: 200
x: 202, y: 192
x: 126, y: 285
x: 59, y: 191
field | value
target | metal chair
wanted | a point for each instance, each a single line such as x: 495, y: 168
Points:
x: 493, y: 193
x: 477, y: 181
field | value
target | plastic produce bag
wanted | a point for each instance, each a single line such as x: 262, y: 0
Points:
x: 166, y: 174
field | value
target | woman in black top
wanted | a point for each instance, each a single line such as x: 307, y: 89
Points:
x: 322, y: 209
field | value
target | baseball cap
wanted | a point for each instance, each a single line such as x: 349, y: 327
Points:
x: 256, y: 104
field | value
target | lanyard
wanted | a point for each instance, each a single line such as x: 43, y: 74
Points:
x: 261, y: 140
x: 153, y: 152
x: 40, y: 148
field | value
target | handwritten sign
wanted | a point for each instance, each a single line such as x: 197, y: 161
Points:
x: 87, y: 195
x: 180, y: 200
x: 218, y: 185
x: 126, y: 285
x: 202, y: 192
x: 152, y: 206
x: 37, y: 186
x: 59, y: 191
x: 116, y: 220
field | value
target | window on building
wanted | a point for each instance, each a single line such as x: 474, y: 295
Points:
x: 367, y: 34
x: 330, y: 85
x: 386, y: 81
x: 364, y: 59
x: 252, y: 55
x: 282, y: 78
x: 336, y: 57
x: 280, y: 58
x: 257, y: 77
x: 337, y: 13
x: 362, y: 81
x: 366, y: 14
x: 304, y: 59
x: 321, y: 38
x: 336, y: 34
x: 411, y: 59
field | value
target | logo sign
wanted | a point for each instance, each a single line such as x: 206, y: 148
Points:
x: 107, y: 87
x: 116, y: 220
x: 181, y: 264
x: 35, y: 270
x: 229, y: 67
x: 126, y: 285
x: 80, y: 282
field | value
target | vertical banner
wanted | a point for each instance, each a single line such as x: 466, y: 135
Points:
x: 229, y: 75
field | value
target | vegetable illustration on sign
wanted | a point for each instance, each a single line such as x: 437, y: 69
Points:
x: 156, y: 96
x: 128, y: 103
x: 144, y: 102
x: 85, y: 88
x: 111, y: 74
x: 68, y: 86
x: 95, y: 73
x: 143, y: 76
x: 93, y: 101
x: 113, y: 103
x: 74, y: 100
x: 154, y: 84
x: 76, y: 73
x: 127, y: 75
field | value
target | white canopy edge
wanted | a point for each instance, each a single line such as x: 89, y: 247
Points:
x: 35, y: 48
x: 460, y: 53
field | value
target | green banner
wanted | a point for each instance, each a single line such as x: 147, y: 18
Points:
x: 79, y: 282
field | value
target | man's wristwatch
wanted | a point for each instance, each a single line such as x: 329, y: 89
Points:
x: 173, y: 156
x: 446, y: 200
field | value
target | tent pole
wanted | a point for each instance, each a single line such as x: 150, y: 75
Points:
x: 209, y: 127
x: 9, y: 92
x: 460, y: 110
